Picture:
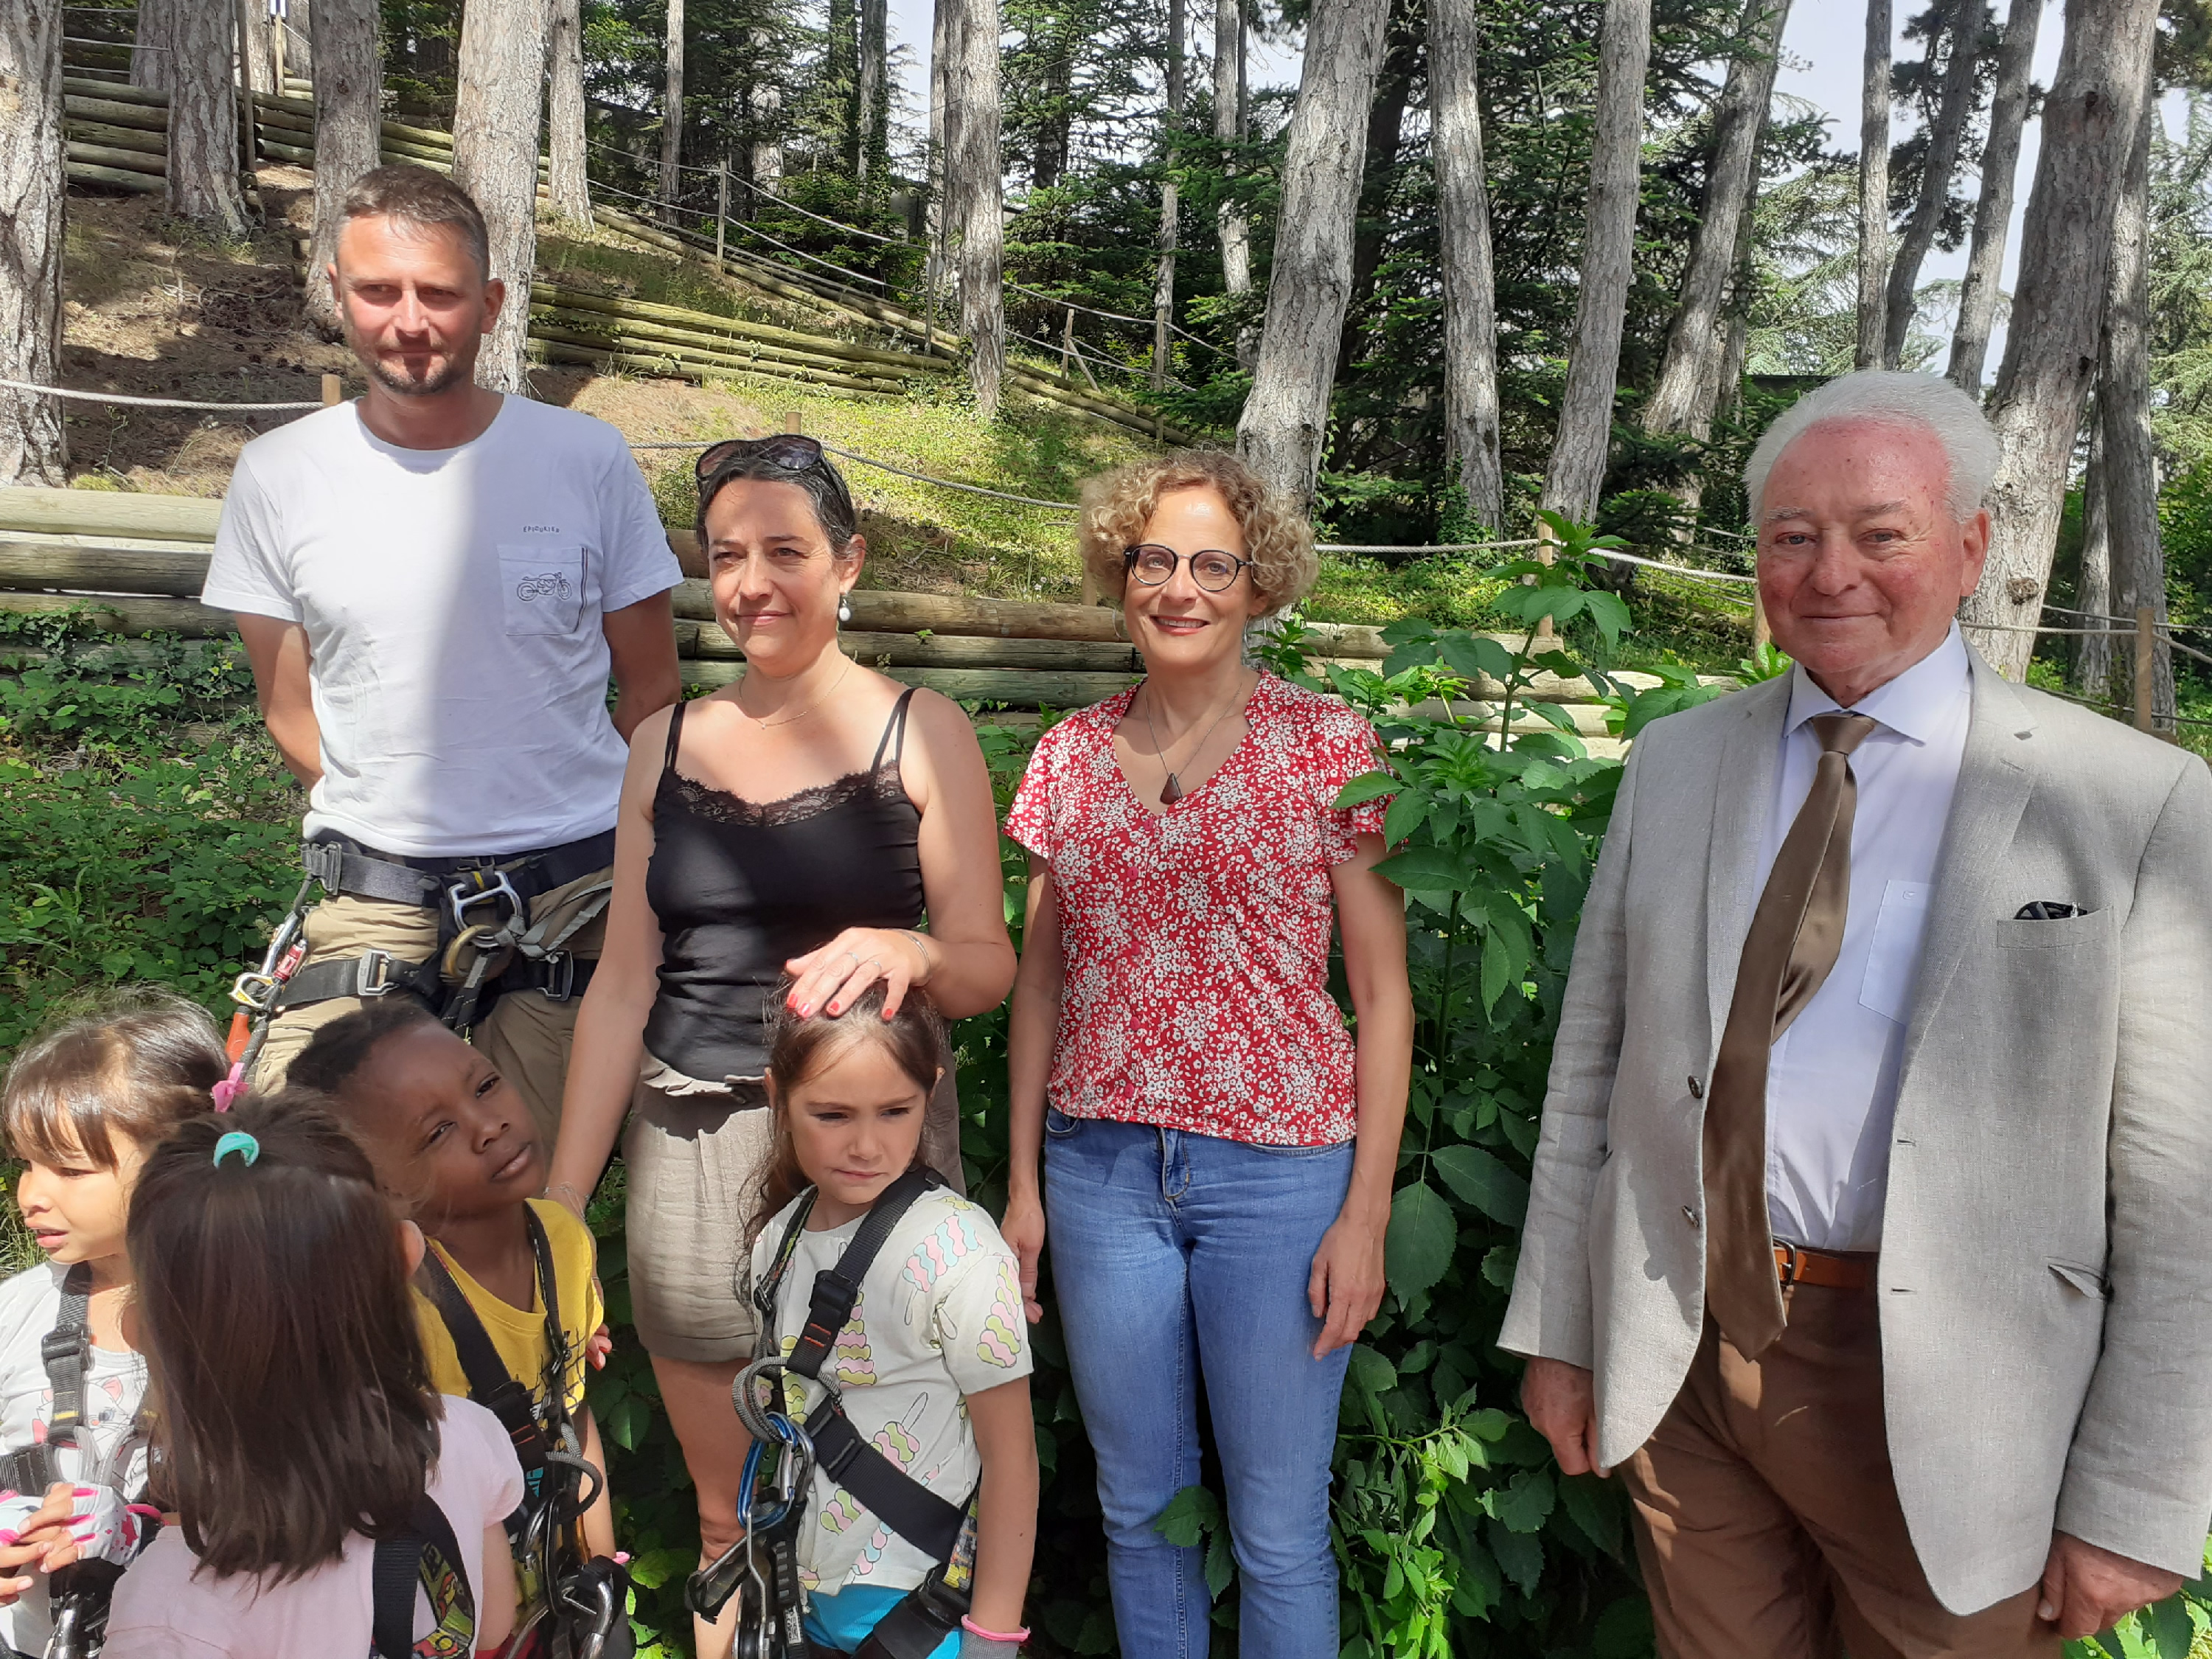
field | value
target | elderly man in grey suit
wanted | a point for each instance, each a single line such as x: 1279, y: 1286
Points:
x: 1869, y: 1235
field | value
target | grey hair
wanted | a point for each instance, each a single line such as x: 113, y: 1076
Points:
x: 1925, y: 403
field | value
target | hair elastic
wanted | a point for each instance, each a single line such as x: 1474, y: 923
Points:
x: 237, y: 1140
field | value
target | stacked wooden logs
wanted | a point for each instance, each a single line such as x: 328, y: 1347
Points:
x: 136, y: 563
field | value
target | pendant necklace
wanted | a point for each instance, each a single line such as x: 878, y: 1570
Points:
x: 1172, y: 791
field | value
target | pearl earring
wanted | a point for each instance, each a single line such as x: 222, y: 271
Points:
x: 844, y: 608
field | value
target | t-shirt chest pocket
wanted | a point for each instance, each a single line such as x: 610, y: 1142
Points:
x: 541, y: 587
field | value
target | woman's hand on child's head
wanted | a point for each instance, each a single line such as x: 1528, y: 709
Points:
x: 602, y: 1343
x: 830, y: 980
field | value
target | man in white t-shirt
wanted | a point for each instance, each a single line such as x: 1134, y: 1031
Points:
x: 434, y: 585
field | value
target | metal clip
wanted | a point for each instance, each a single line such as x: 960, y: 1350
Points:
x: 560, y: 976
x: 254, y: 991
x: 373, y: 978
x: 464, y: 895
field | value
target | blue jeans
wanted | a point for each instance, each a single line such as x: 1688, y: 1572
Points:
x: 1171, y: 1252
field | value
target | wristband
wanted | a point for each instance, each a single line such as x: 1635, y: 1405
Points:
x: 1014, y: 1637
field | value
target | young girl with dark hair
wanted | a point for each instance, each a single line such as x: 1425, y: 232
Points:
x: 84, y: 1102
x: 297, y: 1423
x: 932, y: 1362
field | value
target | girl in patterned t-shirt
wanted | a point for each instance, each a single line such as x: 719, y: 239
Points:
x: 933, y: 1364
x: 85, y: 1101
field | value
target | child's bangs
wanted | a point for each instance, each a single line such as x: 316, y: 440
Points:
x: 62, y: 1126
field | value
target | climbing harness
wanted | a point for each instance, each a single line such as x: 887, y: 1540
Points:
x: 579, y: 1603
x: 78, y: 1595
x: 487, y: 944
x: 428, y: 1557
x: 762, y: 1567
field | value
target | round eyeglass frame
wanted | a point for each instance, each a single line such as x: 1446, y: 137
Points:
x: 1131, y: 555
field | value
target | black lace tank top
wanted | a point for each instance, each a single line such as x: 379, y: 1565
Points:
x: 740, y: 887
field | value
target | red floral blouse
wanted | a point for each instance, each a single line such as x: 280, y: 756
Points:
x: 1196, y: 939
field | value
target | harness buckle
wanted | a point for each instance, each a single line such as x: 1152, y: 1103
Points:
x: 373, y: 978
x: 465, y: 895
x: 560, y: 976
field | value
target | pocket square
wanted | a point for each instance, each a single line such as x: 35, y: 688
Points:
x: 2047, y: 910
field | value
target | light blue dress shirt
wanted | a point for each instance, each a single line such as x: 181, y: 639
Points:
x: 1832, y: 1083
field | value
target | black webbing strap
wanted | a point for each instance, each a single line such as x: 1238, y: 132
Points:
x: 372, y: 973
x: 64, y: 1351
x: 837, y: 1289
x: 558, y: 978
x: 490, y: 1383
x: 364, y: 872
x: 901, y: 1502
x: 426, y: 1556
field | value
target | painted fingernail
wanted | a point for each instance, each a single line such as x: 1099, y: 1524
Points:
x: 835, y: 1009
x: 2046, y: 1611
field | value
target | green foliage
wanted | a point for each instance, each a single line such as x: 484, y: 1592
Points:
x: 133, y: 846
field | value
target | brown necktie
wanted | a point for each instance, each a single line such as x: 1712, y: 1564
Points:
x: 1795, y: 932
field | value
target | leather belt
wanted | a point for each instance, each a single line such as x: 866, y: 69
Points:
x: 1830, y: 1270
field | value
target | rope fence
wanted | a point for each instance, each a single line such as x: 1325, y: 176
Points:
x: 76, y: 395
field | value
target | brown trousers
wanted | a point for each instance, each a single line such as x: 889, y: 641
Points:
x: 1767, y: 1514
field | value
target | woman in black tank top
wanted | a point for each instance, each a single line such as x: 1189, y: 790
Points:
x: 800, y: 828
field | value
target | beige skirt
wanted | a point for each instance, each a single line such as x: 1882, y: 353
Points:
x: 695, y: 1161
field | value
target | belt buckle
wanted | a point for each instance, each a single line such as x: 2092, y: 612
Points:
x: 465, y: 895
x: 1792, y: 1265
x: 374, y: 977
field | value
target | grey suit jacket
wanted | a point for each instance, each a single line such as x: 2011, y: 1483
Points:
x: 2046, y: 1276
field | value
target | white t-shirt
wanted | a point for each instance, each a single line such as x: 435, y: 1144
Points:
x: 453, y: 601
x: 939, y: 1316
x: 161, y: 1610
x: 30, y: 1304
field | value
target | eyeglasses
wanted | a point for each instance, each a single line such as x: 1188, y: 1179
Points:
x: 1212, y: 569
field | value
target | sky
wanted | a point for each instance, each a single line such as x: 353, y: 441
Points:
x: 1822, y: 50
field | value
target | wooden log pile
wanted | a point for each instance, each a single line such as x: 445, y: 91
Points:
x: 136, y: 563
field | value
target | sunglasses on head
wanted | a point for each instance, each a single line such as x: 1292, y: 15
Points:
x: 791, y: 450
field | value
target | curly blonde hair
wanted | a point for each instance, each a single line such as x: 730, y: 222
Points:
x: 1117, y: 505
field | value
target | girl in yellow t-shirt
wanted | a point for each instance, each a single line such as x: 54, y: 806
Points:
x: 455, y: 1146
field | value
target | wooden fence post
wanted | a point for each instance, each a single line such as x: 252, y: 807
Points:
x: 721, y: 208
x: 333, y: 391
x: 1547, y: 552
x: 2146, y: 664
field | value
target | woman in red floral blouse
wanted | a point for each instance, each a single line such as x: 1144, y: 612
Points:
x: 1217, y: 1148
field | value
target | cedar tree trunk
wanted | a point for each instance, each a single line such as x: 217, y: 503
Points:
x: 2089, y: 123
x: 1234, y: 228
x: 1386, y: 130
x: 1471, y: 454
x: 1952, y: 107
x: 153, y: 64
x: 349, y: 120
x: 495, y: 122
x: 974, y: 193
x: 874, y: 102
x: 2138, y: 577
x: 1286, y: 419
x: 2093, y: 652
x: 672, y: 115
x: 203, y: 118
x: 1171, y: 206
x: 253, y: 38
x: 570, y: 184
x: 1731, y: 181
x: 1873, y: 187
x: 1584, y: 433
x: 32, y: 448
x: 1978, y: 295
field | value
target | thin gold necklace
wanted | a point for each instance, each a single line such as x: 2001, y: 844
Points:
x: 1172, y: 791
x: 787, y: 720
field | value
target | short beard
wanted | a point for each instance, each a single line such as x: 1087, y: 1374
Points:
x: 455, y: 370
x: 458, y: 367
